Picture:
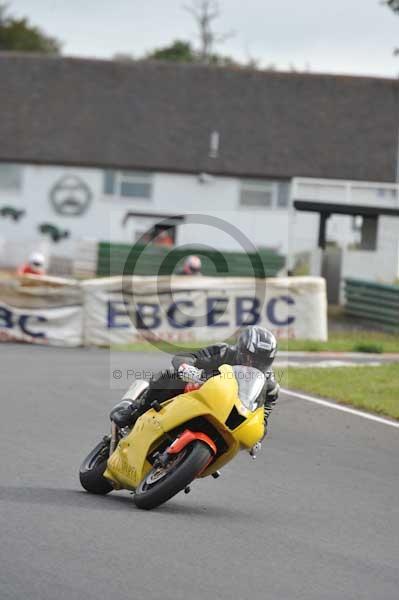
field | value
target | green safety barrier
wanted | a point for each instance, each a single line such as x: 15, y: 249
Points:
x: 116, y: 259
x: 373, y: 302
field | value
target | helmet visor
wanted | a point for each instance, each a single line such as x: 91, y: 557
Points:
x: 258, y: 360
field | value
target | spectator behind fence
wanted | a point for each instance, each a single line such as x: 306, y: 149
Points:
x: 164, y: 239
x: 191, y: 266
x: 34, y: 266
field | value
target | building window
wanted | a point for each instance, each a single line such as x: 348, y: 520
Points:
x: 128, y: 184
x: 264, y: 194
x: 387, y: 192
x: 10, y: 177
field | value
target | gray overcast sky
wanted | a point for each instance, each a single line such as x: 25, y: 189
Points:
x: 339, y: 36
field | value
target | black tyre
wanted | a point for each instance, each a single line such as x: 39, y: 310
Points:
x: 92, y: 469
x: 162, y: 483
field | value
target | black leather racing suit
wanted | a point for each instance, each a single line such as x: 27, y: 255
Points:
x: 167, y: 384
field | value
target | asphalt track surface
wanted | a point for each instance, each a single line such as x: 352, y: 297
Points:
x: 316, y: 517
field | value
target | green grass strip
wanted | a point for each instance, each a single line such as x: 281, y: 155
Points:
x: 339, y: 341
x: 375, y: 389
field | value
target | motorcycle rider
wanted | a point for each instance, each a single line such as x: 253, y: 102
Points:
x: 255, y: 347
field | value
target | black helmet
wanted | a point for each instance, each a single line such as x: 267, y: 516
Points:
x: 256, y: 347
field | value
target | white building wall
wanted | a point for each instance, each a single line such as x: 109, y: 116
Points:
x: 380, y: 265
x: 172, y: 194
x: 37, y: 181
x: 371, y: 266
x: 218, y: 197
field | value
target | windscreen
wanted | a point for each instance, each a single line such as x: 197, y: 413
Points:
x: 250, y: 384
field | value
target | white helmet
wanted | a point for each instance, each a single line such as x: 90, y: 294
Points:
x: 192, y: 265
x: 36, y: 260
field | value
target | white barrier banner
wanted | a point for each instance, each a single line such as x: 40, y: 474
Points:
x: 41, y: 311
x: 201, y: 308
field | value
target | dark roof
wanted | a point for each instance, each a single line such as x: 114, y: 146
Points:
x: 329, y: 208
x: 159, y: 116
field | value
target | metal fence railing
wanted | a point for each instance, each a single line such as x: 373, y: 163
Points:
x: 374, y: 302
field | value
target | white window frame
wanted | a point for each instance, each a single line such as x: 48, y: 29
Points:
x: 121, y: 176
x: 259, y: 186
x: 13, y: 189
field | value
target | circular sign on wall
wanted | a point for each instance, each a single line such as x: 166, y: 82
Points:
x: 70, y: 196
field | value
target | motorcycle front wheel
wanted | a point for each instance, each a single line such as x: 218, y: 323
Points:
x: 164, y: 482
x: 92, y: 469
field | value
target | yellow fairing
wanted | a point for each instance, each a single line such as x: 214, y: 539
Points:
x: 214, y: 400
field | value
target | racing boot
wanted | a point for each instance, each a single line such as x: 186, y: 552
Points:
x: 267, y: 409
x: 126, y: 413
x: 272, y: 393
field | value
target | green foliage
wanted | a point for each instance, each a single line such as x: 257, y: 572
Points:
x: 220, y: 60
x: 182, y: 51
x: 18, y: 35
x: 177, y: 51
x: 370, y: 347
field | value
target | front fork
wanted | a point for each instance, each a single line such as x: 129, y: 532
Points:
x: 255, y: 450
x: 114, y: 438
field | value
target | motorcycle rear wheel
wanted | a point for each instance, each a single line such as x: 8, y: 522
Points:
x: 157, y: 487
x: 92, y: 469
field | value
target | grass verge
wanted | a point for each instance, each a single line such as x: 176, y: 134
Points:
x: 339, y: 341
x: 347, y: 341
x: 375, y: 389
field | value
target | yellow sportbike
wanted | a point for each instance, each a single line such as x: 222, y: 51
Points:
x: 190, y: 436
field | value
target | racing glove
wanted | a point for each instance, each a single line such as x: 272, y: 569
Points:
x: 190, y: 374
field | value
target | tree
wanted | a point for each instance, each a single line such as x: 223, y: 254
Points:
x: 392, y: 4
x: 204, y: 13
x: 178, y: 51
x: 19, y: 35
x: 182, y: 51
